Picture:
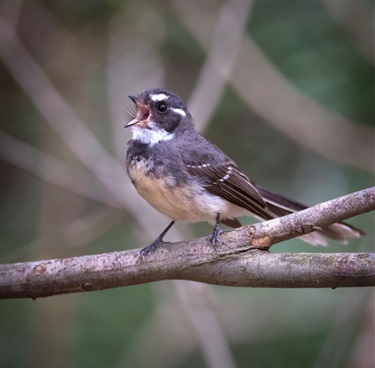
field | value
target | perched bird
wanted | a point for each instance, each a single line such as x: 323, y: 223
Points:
x: 187, y: 178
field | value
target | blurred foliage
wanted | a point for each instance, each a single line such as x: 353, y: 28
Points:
x: 313, y: 52
x: 99, y: 329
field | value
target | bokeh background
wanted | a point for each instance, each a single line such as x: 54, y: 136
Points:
x: 286, y: 88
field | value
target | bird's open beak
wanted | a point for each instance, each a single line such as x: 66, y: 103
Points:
x: 134, y: 98
x: 143, y: 113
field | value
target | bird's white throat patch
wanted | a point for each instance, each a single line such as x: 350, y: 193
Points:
x: 151, y: 136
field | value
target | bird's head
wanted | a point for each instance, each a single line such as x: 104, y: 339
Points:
x: 160, y: 115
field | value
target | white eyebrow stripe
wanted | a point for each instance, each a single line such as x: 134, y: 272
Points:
x: 179, y: 111
x: 159, y: 97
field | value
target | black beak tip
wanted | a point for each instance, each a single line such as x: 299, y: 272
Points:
x: 133, y: 98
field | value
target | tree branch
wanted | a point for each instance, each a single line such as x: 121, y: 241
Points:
x: 237, y: 262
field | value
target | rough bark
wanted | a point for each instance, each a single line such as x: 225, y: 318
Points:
x: 236, y: 262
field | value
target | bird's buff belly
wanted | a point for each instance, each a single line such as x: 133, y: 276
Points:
x: 187, y: 203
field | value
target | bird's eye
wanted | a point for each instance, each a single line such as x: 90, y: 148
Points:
x: 162, y: 107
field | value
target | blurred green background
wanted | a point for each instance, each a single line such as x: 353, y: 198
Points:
x: 67, y: 68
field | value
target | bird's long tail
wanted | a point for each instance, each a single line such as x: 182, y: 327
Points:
x: 281, y: 206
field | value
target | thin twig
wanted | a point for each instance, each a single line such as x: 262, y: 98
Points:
x: 52, y: 170
x: 339, y: 337
x: 206, y: 324
x: 58, y: 112
x: 75, y: 234
x: 221, y: 57
x: 356, y: 18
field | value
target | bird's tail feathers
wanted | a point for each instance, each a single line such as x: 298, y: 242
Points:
x: 281, y: 206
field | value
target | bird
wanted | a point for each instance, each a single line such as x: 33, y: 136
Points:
x: 189, y: 179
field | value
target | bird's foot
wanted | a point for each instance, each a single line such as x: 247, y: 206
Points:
x: 159, y: 240
x: 152, y: 247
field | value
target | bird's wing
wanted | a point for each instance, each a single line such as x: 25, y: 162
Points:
x: 226, y: 180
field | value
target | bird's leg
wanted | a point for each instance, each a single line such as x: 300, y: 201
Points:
x: 159, y: 240
x: 214, y: 236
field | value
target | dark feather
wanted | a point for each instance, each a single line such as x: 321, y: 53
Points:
x: 228, y: 181
x: 282, y: 206
x: 233, y: 223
